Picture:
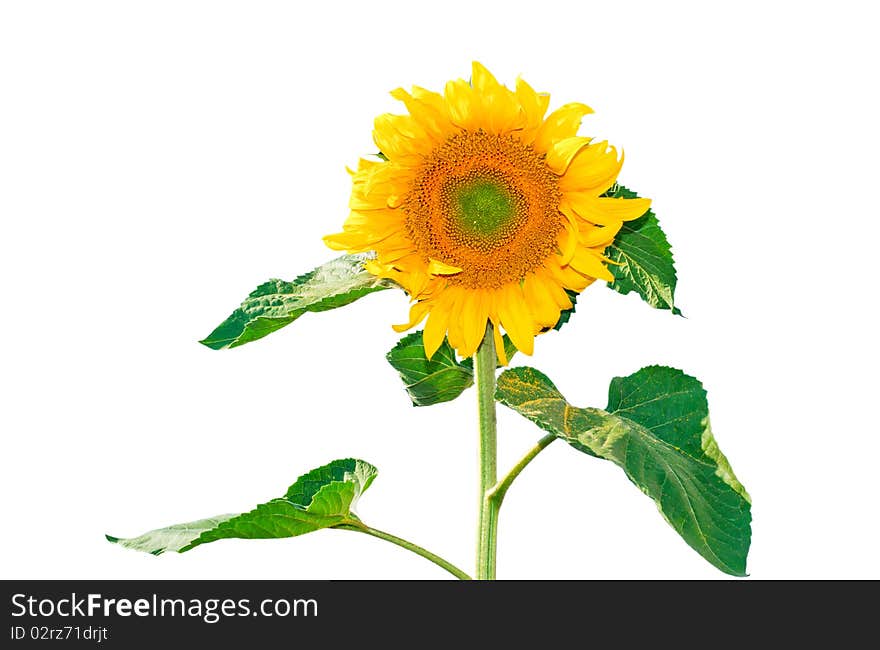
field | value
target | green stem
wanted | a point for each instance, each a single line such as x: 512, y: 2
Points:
x: 485, y: 364
x: 497, y: 493
x: 418, y: 550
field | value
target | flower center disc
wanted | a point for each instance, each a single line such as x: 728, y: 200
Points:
x: 481, y: 206
x: 486, y: 204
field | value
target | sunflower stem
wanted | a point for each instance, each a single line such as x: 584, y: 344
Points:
x: 485, y: 363
x: 497, y: 493
x: 415, y: 548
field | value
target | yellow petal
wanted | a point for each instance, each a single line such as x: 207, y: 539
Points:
x: 429, y: 115
x: 599, y: 236
x: 605, y: 210
x: 463, y: 110
x: 501, y: 111
x: 378, y: 269
x: 534, y: 105
x: 436, y: 267
x: 473, y: 321
x: 540, y: 303
x: 562, y: 152
x: 570, y: 235
x: 400, y: 138
x: 430, y: 98
x: 416, y: 284
x: 557, y: 293
x: 394, y: 251
x: 435, y: 329
x: 624, y: 209
x: 516, y: 320
x: 500, y: 352
x: 582, y: 206
x: 562, y: 123
x: 360, y: 201
x: 416, y: 313
x: 373, y: 219
x: 346, y: 241
x: 483, y: 81
x: 569, y: 278
x: 381, y: 182
x: 373, y: 226
x: 594, y: 169
x: 587, y: 262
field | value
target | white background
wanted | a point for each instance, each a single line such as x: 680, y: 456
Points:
x: 159, y: 160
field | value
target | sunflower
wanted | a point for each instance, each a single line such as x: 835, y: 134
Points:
x: 484, y: 210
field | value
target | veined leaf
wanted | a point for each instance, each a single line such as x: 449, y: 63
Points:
x: 323, y: 498
x: 656, y: 428
x: 643, y: 258
x: 170, y: 538
x: 440, y: 379
x: 277, y: 303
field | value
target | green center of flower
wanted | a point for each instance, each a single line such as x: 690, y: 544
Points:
x: 482, y: 207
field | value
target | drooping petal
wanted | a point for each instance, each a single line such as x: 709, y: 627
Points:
x: 516, y: 320
x: 474, y: 317
x: 557, y: 293
x: 500, y: 352
x: 540, y: 302
x: 416, y: 284
x: 417, y: 313
x: 455, y: 332
x: 492, y: 300
x: 435, y: 328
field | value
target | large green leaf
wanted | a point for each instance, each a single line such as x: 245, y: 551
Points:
x: 440, y: 379
x: 277, y: 303
x: 656, y: 428
x: 643, y: 258
x: 323, y: 498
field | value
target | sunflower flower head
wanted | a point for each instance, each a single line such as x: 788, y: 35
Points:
x: 485, y: 210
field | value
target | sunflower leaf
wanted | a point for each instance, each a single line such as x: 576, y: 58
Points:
x: 656, y: 428
x: 277, y: 303
x: 323, y: 498
x: 643, y: 258
x: 440, y: 379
